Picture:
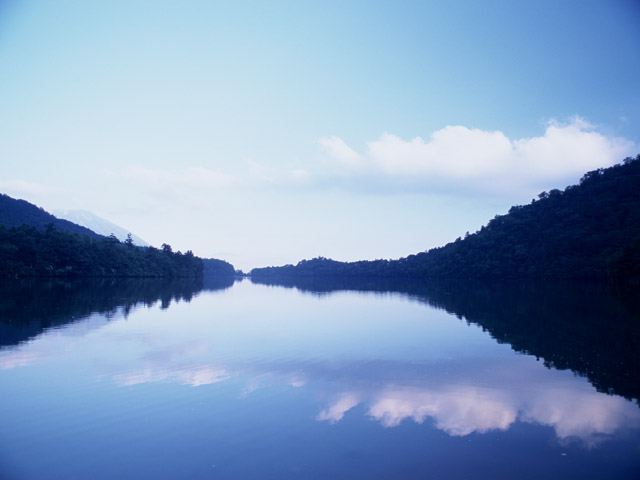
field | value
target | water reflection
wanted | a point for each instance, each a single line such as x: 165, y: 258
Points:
x: 263, y: 337
x: 488, y: 397
x: 591, y: 328
x: 30, y: 306
x: 461, y: 410
x: 181, y: 363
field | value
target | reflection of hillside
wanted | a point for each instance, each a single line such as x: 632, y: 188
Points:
x: 219, y: 282
x: 592, y: 329
x: 29, y: 306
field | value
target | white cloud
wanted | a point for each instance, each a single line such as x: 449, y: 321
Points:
x: 454, y: 151
x: 461, y: 158
x: 341, y: 152
x: 568, y: 150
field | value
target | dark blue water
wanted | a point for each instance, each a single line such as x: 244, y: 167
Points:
x: 256, y: 381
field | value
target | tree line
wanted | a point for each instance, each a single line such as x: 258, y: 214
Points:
x: 27, y: 251
x: 34, y: 243
x: 589, y: 230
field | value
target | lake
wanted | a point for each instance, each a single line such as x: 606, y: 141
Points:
x: 189, y: 380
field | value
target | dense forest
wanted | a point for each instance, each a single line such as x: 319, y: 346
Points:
x: 589, y: 327
x: 217, y: 268
x: 590, y: 230
x: 28, y: 251
x: 34, y: 243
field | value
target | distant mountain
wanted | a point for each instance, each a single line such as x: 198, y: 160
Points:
x: 98, y: 225
x: 590, y: 230
x: 15, y: 213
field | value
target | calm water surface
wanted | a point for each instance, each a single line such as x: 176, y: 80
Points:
x: 144, y: 380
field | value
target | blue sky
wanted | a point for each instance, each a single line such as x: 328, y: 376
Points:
x: 268, y: 132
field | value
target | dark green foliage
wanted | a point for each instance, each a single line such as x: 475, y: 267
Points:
x: 591, y: 230
x: 28, y: 251
x: 589, y: 327
x: 14, y: 213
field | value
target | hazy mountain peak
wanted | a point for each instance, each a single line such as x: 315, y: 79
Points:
x: 98, y: 224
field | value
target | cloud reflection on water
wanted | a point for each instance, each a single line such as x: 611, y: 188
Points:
x: 336, y: 411
x: 458, y: 411
x: 482, y: 397
x: 10, y: 359
x: 460, y: 396
x: 486, y: 396
x: 465, y: 409
x: 194, y: 376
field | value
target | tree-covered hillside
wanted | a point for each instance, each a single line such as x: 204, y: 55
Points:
x: 27, y: 251
x: 15, y: 213
x: 217, y: 268
x: 590, y: 230
x: 34, y: 243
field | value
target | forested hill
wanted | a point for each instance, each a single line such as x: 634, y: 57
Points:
x: 15, y: 213
x: 590, y: 230
x: 34, y: 243
x: 26, y: 251
x: 217, y: 268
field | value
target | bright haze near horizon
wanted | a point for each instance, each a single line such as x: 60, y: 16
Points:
x: 263, y: 133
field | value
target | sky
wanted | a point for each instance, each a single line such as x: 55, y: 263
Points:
x: 263, y: 133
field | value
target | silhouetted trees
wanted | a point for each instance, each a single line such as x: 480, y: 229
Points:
x: 34, y: 243
x: 28, y: 251
x: 217, y: 268
x: 590, y: 230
